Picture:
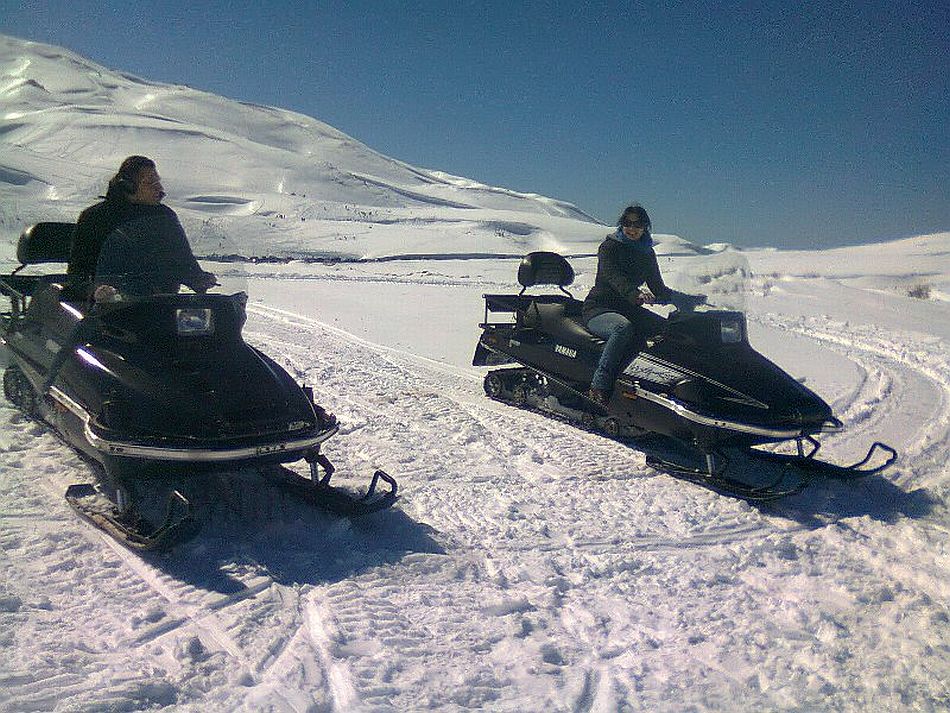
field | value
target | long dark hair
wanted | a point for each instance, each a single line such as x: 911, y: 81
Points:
x: 635, y: 213
x: 124, y: 182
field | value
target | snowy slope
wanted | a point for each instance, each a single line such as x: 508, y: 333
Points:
x: 529, y: 565
x: 307, y: 189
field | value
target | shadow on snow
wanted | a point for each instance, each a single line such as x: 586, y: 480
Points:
x: 258, y: 529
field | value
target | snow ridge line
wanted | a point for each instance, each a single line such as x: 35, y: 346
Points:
x: 277, y: 315
x: 390, y: 278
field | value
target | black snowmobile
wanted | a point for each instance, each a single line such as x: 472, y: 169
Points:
x: 157, y: 391
x: 697, y: 393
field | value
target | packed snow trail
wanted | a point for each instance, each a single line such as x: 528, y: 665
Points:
x: 528, y: 565
x: 582, y: 504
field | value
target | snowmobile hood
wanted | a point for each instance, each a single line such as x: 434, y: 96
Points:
x: 142, y: 378
x: 736, y: 384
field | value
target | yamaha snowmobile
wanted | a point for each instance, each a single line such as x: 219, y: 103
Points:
x: 157, y: 391
x: 698, y: 394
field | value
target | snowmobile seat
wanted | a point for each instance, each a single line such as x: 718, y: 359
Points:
x: 562, y: 321
x: 556, y: 315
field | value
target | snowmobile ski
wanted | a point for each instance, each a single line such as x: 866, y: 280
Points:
x: 801, y: 466
x: 132, y: 531
x: 317, y: 489
x: 859, y: 469
x: 720, y: 483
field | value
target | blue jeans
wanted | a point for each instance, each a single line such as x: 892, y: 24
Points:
x: 623, y: 339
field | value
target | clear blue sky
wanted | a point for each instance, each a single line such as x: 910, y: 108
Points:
x: 759, y: 123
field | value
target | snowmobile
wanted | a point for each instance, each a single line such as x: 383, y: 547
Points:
x: 155, y: 392
x: 696, y: 396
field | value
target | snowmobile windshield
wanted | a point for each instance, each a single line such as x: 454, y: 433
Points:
x: 722, y: 276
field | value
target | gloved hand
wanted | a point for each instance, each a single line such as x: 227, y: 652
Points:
x: 204, y: 282
x: 685, y: 302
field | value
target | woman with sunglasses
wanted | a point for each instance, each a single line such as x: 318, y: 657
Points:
x: 614, y: 309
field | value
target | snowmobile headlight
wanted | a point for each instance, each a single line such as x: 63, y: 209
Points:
x: 730, y: 331
x: 194, y: 322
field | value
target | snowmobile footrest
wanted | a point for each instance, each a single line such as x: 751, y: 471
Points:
x: 177, y: 526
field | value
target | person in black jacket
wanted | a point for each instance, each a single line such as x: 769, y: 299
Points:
x: 131, y: 239
x: 129, y: 243
x: 613, y: 310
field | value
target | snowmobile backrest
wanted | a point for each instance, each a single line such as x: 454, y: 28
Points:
x: 45, y: 242
x: 537, y: 268
x: 38, y: 244
x: 545, y: 268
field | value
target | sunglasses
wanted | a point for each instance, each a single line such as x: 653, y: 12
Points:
x: 636, y: 224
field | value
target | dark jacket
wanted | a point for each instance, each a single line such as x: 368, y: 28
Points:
x: 94, y: 225
x: 622, y: 267
x: 149, y: 254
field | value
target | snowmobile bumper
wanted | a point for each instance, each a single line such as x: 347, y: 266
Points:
x: 275, y: 450
x: 770, y: 432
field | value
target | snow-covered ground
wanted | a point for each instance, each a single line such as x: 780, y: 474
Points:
x: 528, y: 565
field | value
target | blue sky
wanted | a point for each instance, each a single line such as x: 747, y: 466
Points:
x: 758, y: 123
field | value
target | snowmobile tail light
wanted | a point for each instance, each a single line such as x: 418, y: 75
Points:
x: 730, y: 331
x: 194, y: 322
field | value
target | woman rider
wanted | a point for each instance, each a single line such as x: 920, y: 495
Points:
x: 614, y: 308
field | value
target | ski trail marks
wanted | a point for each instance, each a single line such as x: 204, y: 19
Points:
x: 490, y: 479
x: 585, y: 570
x: 132, y: 635
x: 573, y: 577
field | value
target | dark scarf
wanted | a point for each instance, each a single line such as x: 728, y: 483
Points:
x: 643, y: 244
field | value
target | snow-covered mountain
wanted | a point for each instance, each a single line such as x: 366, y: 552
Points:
x: 306, y: 189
